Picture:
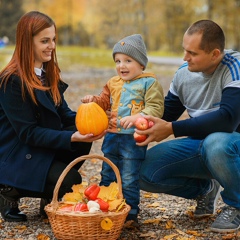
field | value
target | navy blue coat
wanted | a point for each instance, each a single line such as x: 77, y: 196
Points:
x: 30, y: 135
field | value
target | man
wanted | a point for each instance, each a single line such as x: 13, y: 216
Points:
x: 206, y: 159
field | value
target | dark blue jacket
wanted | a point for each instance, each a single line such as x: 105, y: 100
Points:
x: 30, y: 135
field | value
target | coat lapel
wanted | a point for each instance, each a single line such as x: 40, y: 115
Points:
x: 44, y: 100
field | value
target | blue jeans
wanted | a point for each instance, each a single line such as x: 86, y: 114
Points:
x: 122, y: 150
x: 184, y: 167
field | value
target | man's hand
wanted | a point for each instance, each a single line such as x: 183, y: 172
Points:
x: 158, y: 132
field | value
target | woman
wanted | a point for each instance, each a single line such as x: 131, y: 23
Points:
x: 38, y: 137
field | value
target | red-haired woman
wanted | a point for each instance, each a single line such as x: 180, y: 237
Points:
x: 38, y: 137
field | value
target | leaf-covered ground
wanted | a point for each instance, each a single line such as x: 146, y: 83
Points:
x: 161, y: 216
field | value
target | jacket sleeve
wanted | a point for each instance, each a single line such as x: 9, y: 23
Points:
x: 225, y: 119
x: 22, y: 116
x: 154, y: 100
x: 173, y: 108
x: 103, y: 99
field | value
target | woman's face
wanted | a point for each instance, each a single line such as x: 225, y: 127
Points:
x: 43, y: 44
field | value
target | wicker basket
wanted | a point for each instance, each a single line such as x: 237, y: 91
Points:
x: 85, y: 225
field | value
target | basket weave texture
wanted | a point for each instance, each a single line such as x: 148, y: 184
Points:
x: 85, y: 225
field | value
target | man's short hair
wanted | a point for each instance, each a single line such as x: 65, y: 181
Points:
x: 212, y: 35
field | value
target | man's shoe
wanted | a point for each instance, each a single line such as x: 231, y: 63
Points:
x: 206, y: 204
x: 227, y: 221
x: 9, y: 205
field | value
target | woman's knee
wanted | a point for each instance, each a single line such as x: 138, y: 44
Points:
x: 72, y: 178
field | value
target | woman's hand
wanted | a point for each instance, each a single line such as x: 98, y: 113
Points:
x: 78, y: 137
x: 158, y: 132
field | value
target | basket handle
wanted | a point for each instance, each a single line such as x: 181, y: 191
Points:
x: 77, y: 160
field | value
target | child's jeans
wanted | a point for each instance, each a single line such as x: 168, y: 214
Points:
x: 122, y: 150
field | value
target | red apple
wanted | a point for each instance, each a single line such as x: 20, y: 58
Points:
x: 141, y: 123
x: 150, y: 124
x: 66, y: 207
x: 81, y: 207
x: 139, y: 138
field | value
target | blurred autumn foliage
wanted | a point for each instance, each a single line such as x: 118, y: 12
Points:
x: 100, y: 23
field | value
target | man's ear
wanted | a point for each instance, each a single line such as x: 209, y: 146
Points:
x: 216, y: 53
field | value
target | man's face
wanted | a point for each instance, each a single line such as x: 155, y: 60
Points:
x: 198, y: 60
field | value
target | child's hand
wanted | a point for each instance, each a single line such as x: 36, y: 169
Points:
x: 127, y: 122
x: 87, y: 99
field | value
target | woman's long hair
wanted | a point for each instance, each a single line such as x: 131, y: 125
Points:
x: 22, y: 61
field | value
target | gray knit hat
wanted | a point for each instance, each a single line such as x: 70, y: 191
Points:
x: 134, y: 47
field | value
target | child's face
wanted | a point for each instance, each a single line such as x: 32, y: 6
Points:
x: 127, y: 68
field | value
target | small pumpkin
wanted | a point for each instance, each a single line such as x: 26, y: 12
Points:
x: 91, y: 118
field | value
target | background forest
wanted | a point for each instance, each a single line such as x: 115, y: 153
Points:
x: 100, y: 23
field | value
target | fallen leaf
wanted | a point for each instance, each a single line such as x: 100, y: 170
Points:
x: 170, y: 236
x: 148, y: 235
x: 162, y: 209
x: 190, y: 214
x: 21, y: 227
x: 155, y: 204
x: 147, y: 195
x: 191, y: 208
x: 94, y: 160
x: 169, y: 224
x: 24, y: 206
x: 194, y: 233
x: 155, y: 221
x: 229, y: 236
x: 42, y: 236
x: 180, y: 232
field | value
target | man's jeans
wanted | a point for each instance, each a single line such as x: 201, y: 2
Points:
x: 184, y: 167
x: 122, y: 150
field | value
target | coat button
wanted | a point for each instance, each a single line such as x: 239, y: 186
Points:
x: 28, y: 156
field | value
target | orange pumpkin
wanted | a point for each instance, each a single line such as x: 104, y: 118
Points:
x: 91, y: 118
